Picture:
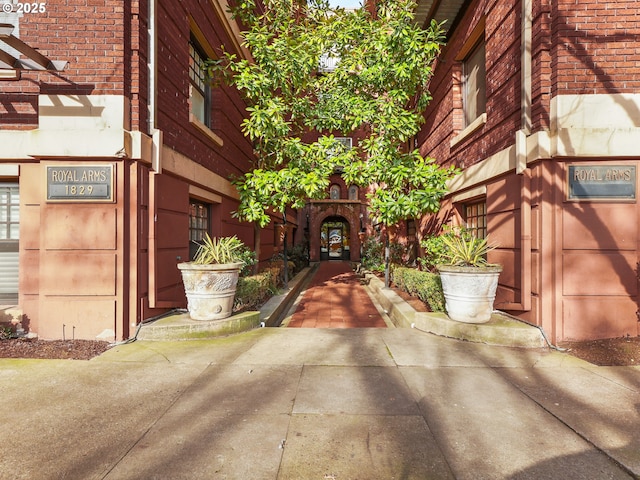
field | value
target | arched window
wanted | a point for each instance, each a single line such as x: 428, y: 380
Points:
x: 353, y: 192
x: 334, y: 192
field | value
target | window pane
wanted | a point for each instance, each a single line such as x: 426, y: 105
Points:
x: 476, y: 219
x: 198, y: 220
x: 474, y: 85
x: 197, y: 105
x: 197, y: 70
x: 9, y: 211
x: 200, y: 91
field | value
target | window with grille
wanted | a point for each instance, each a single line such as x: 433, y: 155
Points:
x: 334, y: 192
x: 476, y: 219
x: 345, y: 142
x: 9, y: 242
x: 474, y: 84
x: 9, y: 212
x: 199, y: 223
x: 200, y: 89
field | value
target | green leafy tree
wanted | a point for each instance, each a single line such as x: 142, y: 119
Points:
x: 383, y: 63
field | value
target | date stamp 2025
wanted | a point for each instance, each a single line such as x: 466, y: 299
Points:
x: 22, y: 8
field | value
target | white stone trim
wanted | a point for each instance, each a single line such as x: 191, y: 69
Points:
x: 472, y: 127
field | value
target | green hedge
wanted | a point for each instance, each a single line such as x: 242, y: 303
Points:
x: 254, y: 290
x: 424, y: 285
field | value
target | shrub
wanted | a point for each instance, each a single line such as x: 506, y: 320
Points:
x: 299, y: 255
x: 254, y: 290
x: 297, y: 259
x: 225, y: 250
x: 6, y: 332
x: 373, y: 254
x: 436, y: 249
x: 424, y: 285
x: 248, y: 256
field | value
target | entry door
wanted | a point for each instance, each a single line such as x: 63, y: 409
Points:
x: 335, y: 242
x: 9, y: 234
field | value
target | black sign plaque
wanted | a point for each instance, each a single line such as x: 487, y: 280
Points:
x: 602, y: 182
x: 86, y: 183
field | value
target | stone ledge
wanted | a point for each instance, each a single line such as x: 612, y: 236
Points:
x: 501, y: 330
x: 181, y: 327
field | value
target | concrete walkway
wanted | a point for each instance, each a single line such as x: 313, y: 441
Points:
x: 293, y: 403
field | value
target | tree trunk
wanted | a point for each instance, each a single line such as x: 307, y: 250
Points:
x: 256, y: 246
x: 286, y: 260
x: 387, y: 255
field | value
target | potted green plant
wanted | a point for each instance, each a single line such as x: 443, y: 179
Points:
x: 469, y: 282
x: 210, y: 280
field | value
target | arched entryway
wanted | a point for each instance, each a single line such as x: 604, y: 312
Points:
x: 339, y: 219
x: 335, y: 239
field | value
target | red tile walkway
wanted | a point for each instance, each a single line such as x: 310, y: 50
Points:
x: 335, y: 299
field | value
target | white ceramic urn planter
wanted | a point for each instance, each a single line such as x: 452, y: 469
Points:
x: 469, y: 292
x: 210, y: 289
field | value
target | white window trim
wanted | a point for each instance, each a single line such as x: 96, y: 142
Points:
x: 477, y: 192
x: 472, y: 127
x: 193, y: 120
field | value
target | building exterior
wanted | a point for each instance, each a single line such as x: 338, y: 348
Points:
x: 114, y: 152
x: 538, y: 102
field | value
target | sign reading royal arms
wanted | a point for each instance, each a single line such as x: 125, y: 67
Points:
x: 86, y: 183
x: 600, y: 182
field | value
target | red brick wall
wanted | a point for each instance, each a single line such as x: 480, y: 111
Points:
x: 541, y: 66
x: 106, y: 45
x: 136, y: 59
x: 18, y: 111
x: 173, y: 91
x: 586, y: 47
x: 89, y: 35
x: 578, y: 47
x: 444, y: 115
x: 596, y: 47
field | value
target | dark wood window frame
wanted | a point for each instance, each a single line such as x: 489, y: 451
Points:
x: 475, y: 216
x: 199, y: 224
x: 199, y: 81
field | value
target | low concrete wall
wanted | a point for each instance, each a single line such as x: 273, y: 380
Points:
x: 182, y: 327
x: 272, y: 311
x: 501, y: 330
